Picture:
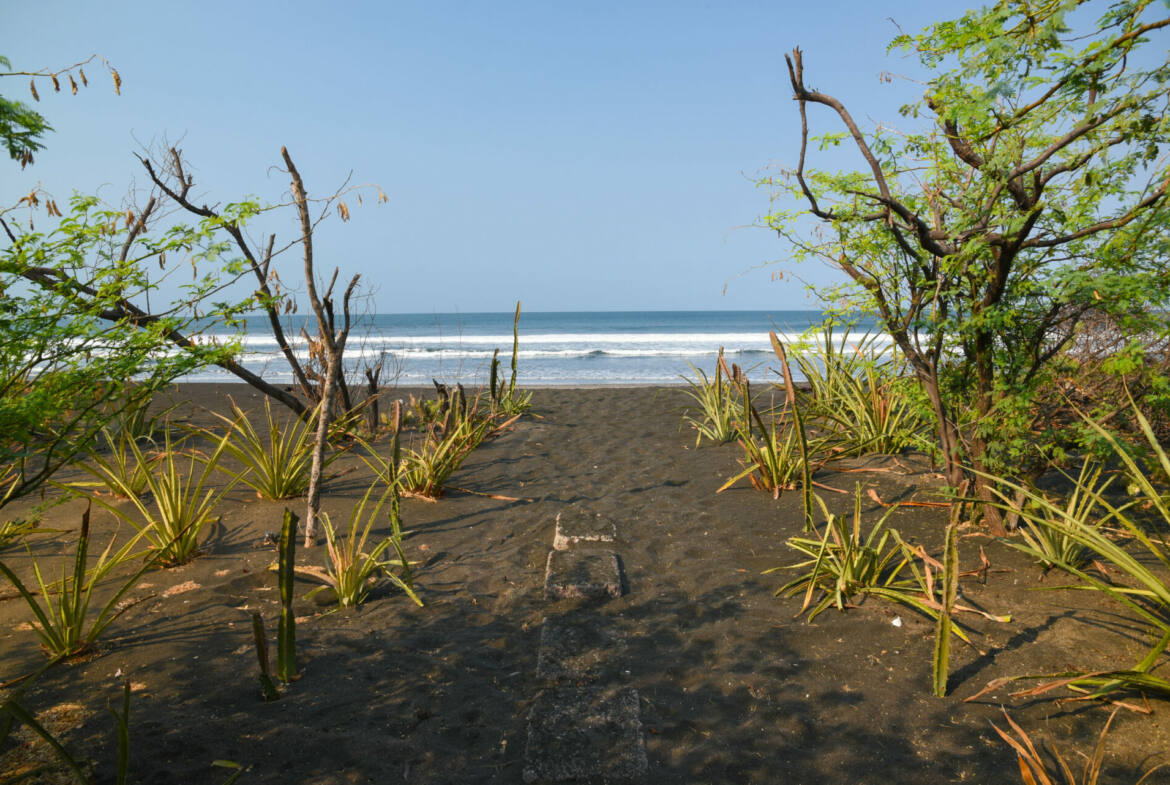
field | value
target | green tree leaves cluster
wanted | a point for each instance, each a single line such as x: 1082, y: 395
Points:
x: 1030, y: 193
x: 75, y: 348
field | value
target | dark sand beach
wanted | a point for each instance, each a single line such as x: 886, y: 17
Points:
x: 733, y: 687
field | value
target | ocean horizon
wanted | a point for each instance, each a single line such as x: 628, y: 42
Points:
x: 556, y: 348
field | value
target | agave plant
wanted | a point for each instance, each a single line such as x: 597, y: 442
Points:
x: 355, y: 558
x: 182, y: 503
x: 1045, y: 528
x: 1145, y: 591
x: 276, y: 467
x: 62, y: 609
x: 843, y: 563
x: 859, y: 397
x: 717, y: 407
x: 775, y: 458
x: 122, y: 472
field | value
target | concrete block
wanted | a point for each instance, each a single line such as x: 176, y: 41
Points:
x: 576, y: 526
x: 582, y: 573
x: 577, y: 647
x: 589, y: 737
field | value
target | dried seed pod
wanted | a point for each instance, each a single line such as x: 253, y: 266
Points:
x: 117, y: 80
x: 382, y: 197
x: 343, y: 211
x: 32, y: 86
x: 81, y: 73
x: 72, y: 84
x: 56, y: 84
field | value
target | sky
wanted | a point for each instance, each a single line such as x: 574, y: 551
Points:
x: 576, y: 156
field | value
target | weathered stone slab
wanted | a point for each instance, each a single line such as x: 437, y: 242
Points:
x: 582, y: 573
x: 588, y: 736
x: 576, y: 648
x: 576, y: 526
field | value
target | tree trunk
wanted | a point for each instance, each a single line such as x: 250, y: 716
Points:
x: 320, y: 441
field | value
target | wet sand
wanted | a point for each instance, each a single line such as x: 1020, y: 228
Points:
x: 733, y: 686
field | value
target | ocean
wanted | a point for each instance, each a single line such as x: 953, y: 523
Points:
x: 568, y: 348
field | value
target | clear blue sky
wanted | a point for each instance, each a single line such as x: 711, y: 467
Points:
x: 578, y: 156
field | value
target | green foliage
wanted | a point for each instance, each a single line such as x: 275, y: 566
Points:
x: 122, y: 472
x: 182, y: 503
x: 286, y: 640
x: 15, y: 530
x: 1145, y: 592
x: 776, y: 458
x: 940, y: 668
x: 715, y: 399
x: 842, y: 564
x: 21, y: 126
x: 508, y: 400
x: 1031, y: 194
x: 268, y: 689
x: 354, y: 559
x: 439, y: 450
x: 1045, y: 527
x: 77, y: 353
x: 861, y: 399
x: 276, y: 467
x: 62, y: 613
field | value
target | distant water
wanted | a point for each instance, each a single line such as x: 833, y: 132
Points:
x: 601, y: 348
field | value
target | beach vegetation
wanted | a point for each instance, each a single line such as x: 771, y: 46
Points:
x: 66, y: 618
x: 1032, y: 196
x: 356, y: 559
x: 77, y: 354
x: 268, y: 689
x: 859, y: 397
x: 1045, y: 528
x: 848, y: 559
x: 14, y: 530
x: 275, y: 465
x: 1144, y: 587
x: 182, y: 502
x: 508, y: 399
x: 772, y: 459
x: 118, y: 469
x: 716, y: 406
x: 778, y: 456
x: 424, y: 467
x: 286, y: 642
x: 1034, y: 770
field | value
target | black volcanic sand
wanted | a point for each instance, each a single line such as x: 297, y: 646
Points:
x: 734, y: 687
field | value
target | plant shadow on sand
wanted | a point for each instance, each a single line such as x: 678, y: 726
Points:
x: 734, y: 688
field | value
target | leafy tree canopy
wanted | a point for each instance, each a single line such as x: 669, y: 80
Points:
x: 1029, y: 192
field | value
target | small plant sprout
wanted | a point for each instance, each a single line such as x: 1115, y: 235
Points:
x: 507, y: 399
